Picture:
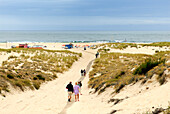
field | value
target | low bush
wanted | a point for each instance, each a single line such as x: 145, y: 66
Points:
x: 147, y: 65
x: 10, y: 76
x: 40, y: 77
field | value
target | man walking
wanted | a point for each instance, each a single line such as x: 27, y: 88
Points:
x: 70, y: 91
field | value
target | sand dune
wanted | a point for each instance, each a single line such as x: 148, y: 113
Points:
x: 51, y: 98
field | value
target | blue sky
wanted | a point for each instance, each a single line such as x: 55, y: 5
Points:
x: 85, y: 15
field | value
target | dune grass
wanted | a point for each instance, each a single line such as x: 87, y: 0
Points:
x: 119, y: 70
x: 122, y: 46
x: 157, y: 44
x: 32, y: 67
x: 167, y: 111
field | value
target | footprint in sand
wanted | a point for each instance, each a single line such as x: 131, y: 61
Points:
x: 19, y: 101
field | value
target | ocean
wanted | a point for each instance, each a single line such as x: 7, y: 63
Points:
x: 85, y: 36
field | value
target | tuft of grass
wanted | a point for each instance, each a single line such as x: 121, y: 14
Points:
x: 19, y: 84
x: 162, y: 80
x: 119, y: 88
x: 36, y: 84
x: 167, y: 111
x: 12, y: 57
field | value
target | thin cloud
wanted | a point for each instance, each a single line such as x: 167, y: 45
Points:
x: 81, y: 13
x: 82, y: 20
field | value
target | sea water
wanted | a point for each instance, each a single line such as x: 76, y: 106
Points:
x: 85, y: 36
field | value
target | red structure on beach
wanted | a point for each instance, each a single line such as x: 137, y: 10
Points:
x: 23, y: 45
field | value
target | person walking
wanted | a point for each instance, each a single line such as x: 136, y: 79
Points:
x: 97, y: 54
x: 69, y: 87
x: 76, y: 92
x: 84, y: 47
x: 84, y: 71
x: 80, y: 84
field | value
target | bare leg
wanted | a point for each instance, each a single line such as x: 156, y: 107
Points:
x: 78, y: 97
x: 69, y: 98
x: 75, y: 98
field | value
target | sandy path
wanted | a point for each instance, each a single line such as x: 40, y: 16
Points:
x: 69, y: 104
x: 50, y: 98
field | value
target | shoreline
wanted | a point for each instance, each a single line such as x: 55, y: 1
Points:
x: 97, y: 41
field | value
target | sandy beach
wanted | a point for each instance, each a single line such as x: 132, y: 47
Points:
x: 115, y: 53
x: 51, y: 98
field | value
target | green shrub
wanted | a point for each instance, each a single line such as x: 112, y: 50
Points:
x: 35, y: 78
x: 147, y: 65
x: 40, y: 77
x: 10, y: 76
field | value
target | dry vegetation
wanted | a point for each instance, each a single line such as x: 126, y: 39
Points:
x: 119, y: 70
x: 159, y: 110
x: 31, y: 67
x: 158, y: 44
x: 115, y: 46
x: 122, y: 46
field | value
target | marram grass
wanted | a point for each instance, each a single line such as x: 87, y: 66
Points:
x: 31, y: 67
x: 119, y: 70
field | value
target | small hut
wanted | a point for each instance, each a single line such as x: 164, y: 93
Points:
x: 23, y: 45
x: 69, y: 46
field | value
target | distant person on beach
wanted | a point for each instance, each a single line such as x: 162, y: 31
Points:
x: 69, y: 87
x: 84, y: 71
x: 97, y: 54
x: 80, y: 84
x: 84, y: 47
x: 76, y: 92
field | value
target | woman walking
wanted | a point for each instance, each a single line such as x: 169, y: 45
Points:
x: 76, y: 92
x: 80, y: 84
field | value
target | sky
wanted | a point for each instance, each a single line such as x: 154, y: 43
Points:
x: 117, y: 15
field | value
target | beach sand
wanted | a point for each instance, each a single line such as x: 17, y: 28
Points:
x: 51, y: 98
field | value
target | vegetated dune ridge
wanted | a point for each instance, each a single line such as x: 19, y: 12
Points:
x: 135, y: 98
x: 52, y: 97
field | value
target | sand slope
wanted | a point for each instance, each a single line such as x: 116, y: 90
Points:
x: 50, y: 98
x: 143, y: 98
